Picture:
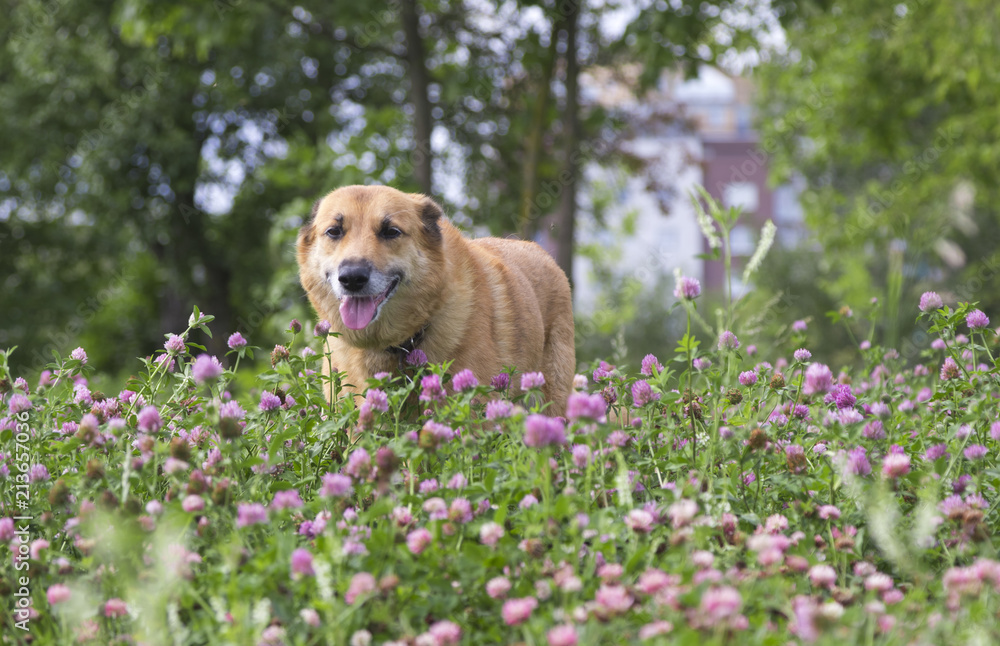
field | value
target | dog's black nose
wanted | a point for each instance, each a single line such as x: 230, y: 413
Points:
x: 354, y: 276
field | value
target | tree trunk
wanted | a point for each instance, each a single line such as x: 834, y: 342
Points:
x: 528, y: 220
x: 173, y: 310
x: 218, y: 278
x: 566, y: 216
x: 189, y: 244
x: 416, y: 57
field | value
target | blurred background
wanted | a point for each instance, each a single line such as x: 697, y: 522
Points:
x: 160, y: 155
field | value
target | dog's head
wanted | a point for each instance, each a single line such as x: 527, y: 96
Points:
x: 369, y: 258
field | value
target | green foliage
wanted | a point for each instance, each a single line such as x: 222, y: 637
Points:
x: 888, y: 111
x: 803, y: 284
x: 170, y: 514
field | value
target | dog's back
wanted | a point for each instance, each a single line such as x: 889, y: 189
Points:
x: 540, y: 288
x: 548, y: 283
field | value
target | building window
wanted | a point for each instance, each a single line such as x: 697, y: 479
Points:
x: 744, y: 119
x: 718, y: 117
x: 786, y: 204
x: 741, y: 240
x: 741, y: 194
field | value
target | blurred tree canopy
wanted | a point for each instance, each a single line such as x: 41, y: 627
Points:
x: 158, y: 155
x: 889, y: 111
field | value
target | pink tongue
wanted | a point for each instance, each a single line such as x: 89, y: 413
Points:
x: 357, y: 311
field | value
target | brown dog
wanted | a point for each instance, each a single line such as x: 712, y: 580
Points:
x: 391, y: 275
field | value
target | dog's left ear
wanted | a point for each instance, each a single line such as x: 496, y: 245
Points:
x: 430, y: 214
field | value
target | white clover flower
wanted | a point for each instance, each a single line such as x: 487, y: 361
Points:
x: 766, y: 240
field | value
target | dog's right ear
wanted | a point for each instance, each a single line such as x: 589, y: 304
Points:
x: 430, y: 214
x: 306, y: 231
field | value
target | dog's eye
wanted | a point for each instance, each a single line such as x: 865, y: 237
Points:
x: 335, y: 232
x: 389, y: 233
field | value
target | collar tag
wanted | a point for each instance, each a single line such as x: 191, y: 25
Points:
x: 404, y: 349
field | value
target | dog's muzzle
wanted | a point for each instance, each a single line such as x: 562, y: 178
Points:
x: 362, y: 290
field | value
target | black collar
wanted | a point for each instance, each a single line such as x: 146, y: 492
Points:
x: 403, y: 350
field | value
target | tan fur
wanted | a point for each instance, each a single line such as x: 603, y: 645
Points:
x: 485, y: 303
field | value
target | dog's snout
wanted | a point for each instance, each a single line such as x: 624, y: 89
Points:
x: 354, y: 275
